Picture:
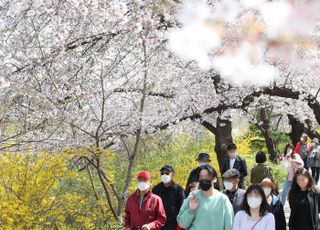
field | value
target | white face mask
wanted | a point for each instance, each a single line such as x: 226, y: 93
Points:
x: 267, y: 191
x: 165, y: 178
x: 254, y: 202
x: 202, y: 164
x: 143, y: 186
x: 228, y: 185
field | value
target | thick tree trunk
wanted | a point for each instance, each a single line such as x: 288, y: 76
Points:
x: 223, y: 136
x: 297, y: 128
x: 267, y: 134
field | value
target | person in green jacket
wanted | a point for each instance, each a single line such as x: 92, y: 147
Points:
x: 261, y: 170
x: 207, y: 208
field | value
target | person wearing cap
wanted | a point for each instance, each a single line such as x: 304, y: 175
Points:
x: 233, y: 161
x: 261, y: 170
x: 231, y: 179
x: 274, y: 202
x: 144, y: 210
x: 206, y: 208
x: 303, y: 149
x: 203, y: 159
x: 172, y: 196
x: 314, y: 159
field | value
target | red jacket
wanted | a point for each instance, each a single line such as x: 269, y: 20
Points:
x: 135, y: 217
x: 298, y: 146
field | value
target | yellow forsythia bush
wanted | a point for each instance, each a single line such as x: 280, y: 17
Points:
x: 34, y: 193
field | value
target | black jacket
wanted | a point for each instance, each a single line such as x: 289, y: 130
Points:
x: 278, y: 212
x: 239, y: 164
x: 172, y: 198
x: 314, y: 202
x: 193, y: 177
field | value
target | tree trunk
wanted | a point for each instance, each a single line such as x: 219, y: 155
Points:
x: 267, y: 134
x: 297, y: 128
x: 223, y: 136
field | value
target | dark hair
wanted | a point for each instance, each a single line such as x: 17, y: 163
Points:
x: 231, y: 146
x: 295, y: 188
x: 287, y: 147
x: 264, y: 207
x: 261, y: 157
x: 192, y: 185
x: 211, y: 171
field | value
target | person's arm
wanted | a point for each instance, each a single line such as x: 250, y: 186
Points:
x: 228, y: 215
x: 281, y: 218
x: 251, y: 176
x: 244, y: 168
x: 127, y: 216
x: 224, y: 164
x: 161, y: 216
x: 237, y: 221
x: 182, y: 196
x: 186, y: 215
x: 297, y: 162
x: 270, y: 223
x: 297, y: 148
x: 291, y: 202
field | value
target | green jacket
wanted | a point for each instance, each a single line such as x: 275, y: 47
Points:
x: 259, y: 172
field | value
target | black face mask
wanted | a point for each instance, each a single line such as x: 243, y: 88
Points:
x: 205, y: 185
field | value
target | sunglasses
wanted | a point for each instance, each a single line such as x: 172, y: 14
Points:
x: 165, y: 173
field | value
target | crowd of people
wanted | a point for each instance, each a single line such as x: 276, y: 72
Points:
x: 201, y: 205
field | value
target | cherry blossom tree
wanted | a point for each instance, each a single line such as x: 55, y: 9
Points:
x: 100, y: 75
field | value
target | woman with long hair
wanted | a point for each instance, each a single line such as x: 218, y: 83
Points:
x: 255, y: 212
x: 304, y: 202
x: 292, y: 162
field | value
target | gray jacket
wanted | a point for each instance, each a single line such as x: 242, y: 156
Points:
x: 235, y: 198
x: 314, y: 157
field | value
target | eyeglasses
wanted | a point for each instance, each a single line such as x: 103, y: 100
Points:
x: 165, y: 173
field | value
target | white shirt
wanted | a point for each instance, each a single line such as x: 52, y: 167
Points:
x: 242, y: 222
x: 232, y: 162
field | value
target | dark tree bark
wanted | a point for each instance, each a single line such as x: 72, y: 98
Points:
x: 297, y: 128
x: 223, y: 136
x: 265, y: 128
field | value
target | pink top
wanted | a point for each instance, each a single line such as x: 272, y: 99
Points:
x: 292, y: 165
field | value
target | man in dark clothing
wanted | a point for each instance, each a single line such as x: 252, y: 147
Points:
x: 203, y: 159
x: 232, y: 161
x: 172, y: 196
x: 231, y: 179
